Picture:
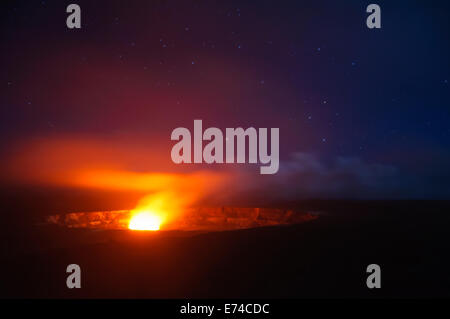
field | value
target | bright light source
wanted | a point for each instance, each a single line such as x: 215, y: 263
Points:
x: 145, y: 220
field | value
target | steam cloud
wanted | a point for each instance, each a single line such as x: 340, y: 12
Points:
x: 124, y: 166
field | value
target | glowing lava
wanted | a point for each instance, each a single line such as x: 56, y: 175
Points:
x: 145, y: 220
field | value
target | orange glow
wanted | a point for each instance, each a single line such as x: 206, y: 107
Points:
x: 158, y: 208
x: 145, y: 220
x: 124, y: 166
x: 106, y: 165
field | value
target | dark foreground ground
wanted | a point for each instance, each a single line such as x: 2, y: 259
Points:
x: 326, y: 257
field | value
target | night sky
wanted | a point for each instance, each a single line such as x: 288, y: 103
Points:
x: 362, y: 113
